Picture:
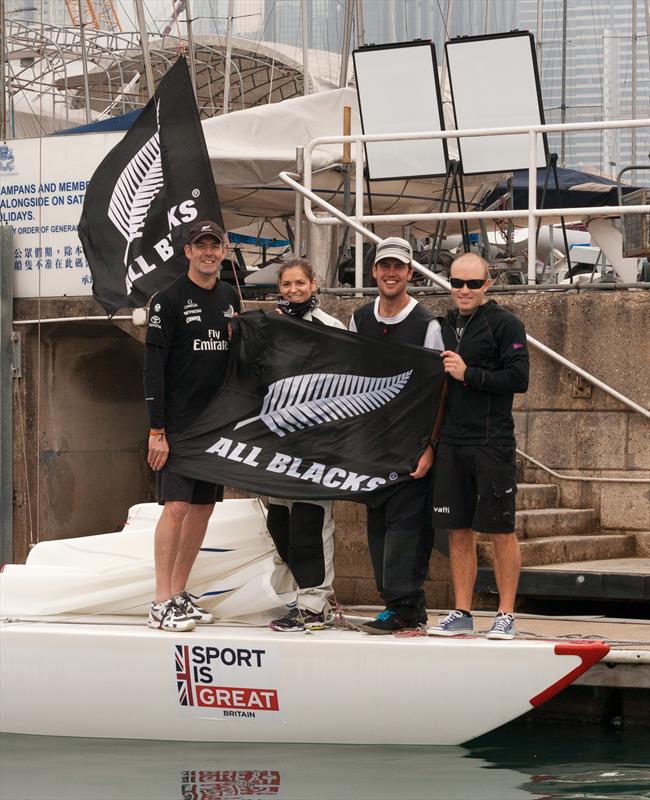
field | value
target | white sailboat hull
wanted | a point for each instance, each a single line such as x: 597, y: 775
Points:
x: 244, y: 684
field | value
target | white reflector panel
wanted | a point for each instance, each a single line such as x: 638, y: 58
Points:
x: 495, y: 84
x: 398, y: 92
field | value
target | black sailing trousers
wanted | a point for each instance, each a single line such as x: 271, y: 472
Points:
x: 400, y: 539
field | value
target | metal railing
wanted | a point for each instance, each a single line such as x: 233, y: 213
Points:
x: 533, y: 213
x: 357, y: 221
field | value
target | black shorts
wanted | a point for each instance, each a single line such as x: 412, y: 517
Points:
x: 172, y: 486
x: 474, y: 487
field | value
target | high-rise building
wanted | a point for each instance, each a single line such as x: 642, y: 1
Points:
x: 49, y: 12
x: 590, y: 43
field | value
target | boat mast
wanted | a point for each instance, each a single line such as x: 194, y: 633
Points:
x: 361, y: 34
x: 3, y: 83
x: 345, y: 49
x: 646, y: 8
x: 446, y: 36
x: 84, y: 62
x: 539, y: 32
x: 305, y: 20
x: 634, y: 79
x: 190, y: 45
x: 610, y: 98
x: 226, y: 69
x: 144, y: 40
x: 563, y: 89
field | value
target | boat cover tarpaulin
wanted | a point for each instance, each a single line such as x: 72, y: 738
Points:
x: 312, y: 412
x: 577, y: 189
x: 234, y: 575
x: 249, y: 148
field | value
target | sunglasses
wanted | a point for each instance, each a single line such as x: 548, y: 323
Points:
x: 472, y: 283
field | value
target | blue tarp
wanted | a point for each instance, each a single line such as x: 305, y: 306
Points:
x: 240, y: 238
x: 121, y: 123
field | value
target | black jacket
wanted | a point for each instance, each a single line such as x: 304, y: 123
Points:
x: 493, y: 345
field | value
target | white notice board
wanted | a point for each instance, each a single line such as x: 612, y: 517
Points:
x: 42, y: 189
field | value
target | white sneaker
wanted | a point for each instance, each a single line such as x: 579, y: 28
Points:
x: 188, y: 606
x: 167, y: 616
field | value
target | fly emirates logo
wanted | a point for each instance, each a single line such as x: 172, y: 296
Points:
x: 213, y: 342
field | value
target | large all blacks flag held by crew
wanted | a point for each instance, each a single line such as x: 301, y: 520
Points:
x: 312, y: 412
x: 154, y: 183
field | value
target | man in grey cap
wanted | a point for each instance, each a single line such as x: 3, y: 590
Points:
x: 400, y: 536
x: 186, y: 356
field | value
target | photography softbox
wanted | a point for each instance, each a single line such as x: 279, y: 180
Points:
x: 399, y: 92
x: 495, y: 84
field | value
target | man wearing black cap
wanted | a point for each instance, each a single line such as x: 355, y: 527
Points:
x: 400, y: 535
x: 186, y: 355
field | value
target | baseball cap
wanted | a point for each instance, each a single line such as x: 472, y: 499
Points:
x: 205, y: 228
x: 394, y: 247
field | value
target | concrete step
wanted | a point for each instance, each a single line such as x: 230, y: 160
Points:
x: 538, y: 523
x: 561, y: 549
x: 537, y: 495
x: 624, y: 578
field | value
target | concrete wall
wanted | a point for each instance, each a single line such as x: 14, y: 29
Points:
x: 88, y: 423
x: 80, y: 427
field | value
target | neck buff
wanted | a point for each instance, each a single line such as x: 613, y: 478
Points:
x: 297, y: 309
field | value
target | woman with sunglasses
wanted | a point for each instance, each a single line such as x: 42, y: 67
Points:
x: 303, y: 532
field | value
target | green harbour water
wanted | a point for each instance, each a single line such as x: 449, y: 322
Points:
x: 564, y: 762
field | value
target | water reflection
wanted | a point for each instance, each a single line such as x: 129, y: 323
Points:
x: 84, y: 769
x: 505, y: 765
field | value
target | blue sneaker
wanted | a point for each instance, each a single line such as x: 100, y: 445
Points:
x: 454, y: 624
x: 503, y: 627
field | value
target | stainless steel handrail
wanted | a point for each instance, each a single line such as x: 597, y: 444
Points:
x: 582, y: 478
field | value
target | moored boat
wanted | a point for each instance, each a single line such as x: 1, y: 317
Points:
x: 78, y: 659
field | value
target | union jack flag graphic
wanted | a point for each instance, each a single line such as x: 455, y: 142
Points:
x: 184, y: 676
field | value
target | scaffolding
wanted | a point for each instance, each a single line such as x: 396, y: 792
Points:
x: 44, y: 72
x: 99, y: 13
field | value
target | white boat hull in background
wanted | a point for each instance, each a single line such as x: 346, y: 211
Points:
x: 254, y: 685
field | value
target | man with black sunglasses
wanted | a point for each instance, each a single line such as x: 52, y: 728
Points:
x: 475, y: 482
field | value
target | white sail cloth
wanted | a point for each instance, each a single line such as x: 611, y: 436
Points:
x: 235, y: 574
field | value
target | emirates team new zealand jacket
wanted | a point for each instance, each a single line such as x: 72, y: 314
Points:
x: 493, y: 345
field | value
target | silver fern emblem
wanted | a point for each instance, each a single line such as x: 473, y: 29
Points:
x: 302, y: 401
x: 135, y: 191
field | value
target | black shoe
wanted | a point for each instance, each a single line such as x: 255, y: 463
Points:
x: 388, y: 622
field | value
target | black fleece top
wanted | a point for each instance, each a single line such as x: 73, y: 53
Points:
x: 493, y: 345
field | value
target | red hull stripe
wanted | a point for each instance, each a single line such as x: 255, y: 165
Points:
x: 589, y: 653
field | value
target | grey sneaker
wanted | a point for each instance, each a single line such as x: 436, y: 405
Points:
x: 503, y: 627
x: 193, y: 610
x: 454, y: 624
x: 299, y: 619
x: 167, y: 616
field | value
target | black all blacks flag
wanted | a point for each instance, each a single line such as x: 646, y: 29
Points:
x: 311, y: 412
x: 154, y: 183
